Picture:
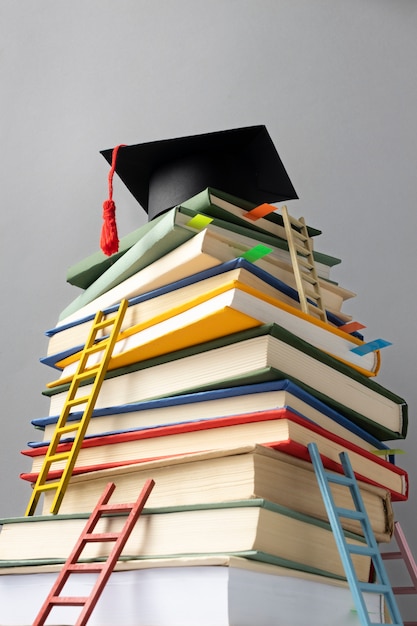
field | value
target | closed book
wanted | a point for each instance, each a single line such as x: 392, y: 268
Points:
x: 64, y: 337
x: 83, y: 273
x: 216, y: 403
x: 218, y: 204
x: 196, y: 591
x: 202, y: 249
x: 238, y: 527
x: 233, y: 473
x: 280, y: 429
x: 231, y: 308
x: 267, y: 352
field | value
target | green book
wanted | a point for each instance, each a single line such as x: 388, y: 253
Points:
x: 224, y: 206
x: 267, y: 352
x: 264, y: 528
x: 88, y: 270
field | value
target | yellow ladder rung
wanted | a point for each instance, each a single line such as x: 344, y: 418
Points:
x: 97, y: 373
x: 68, y: 428
x: 48, y: 486
x: 57, y: 457
x: 78, y: 401
x: 99, y: 346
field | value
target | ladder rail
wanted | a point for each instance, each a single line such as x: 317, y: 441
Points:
x: 52, y: 456
x: 357, y: 588
x: 104, y: 570
x: 302, y: 259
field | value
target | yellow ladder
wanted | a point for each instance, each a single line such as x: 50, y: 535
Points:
x: 97, y: 373
x: 302, y: 259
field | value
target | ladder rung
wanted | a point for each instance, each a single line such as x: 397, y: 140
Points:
x: 340, y: 479
x: 115, y: 508
x: 86, y: 374
x: 296, y: 223
x: 58, y: 456
x: 49, y: 486
x: 374, y: 588
x: 360, y: 550
x: 350, y: 514
x: 85, y: 568
x: 106, y: 322
x: 391, y: 556
x: 303, y: 250
x: 96, y: 347
x: 68, y: 600
x: 404, y: 591
x: 97, y: 537
x: 300, y: 236
x: 77, y: 401
x: 68, y: 428
x: 304, y: 262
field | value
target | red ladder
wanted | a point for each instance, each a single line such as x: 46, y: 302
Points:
x: 403, y: 553
x: 103, y: 569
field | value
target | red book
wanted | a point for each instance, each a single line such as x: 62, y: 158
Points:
x: 281, y: 429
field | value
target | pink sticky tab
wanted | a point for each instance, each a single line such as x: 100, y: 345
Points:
x: 260, y: 211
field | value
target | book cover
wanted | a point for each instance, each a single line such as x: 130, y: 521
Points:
x: 221, y: 403
x: 224, y: 242
x: 293, y: 540
x: 234, y: 473
x: 66, y: 336
x: 230, y: 308
x: 197, y: 591
x: 280, y: 429
x: 267, y: 352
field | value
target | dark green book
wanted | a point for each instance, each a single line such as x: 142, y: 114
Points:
x: 266, y: 531
x: 163, y: 234
x: 267, y: 352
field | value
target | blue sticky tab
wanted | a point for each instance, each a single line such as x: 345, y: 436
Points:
x: 371, y: 346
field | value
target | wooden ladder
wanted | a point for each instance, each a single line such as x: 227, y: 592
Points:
x: 79, y: 427
x: 103, y: 569
x: 403, y: 553
x: 301, y: 252
x: 346, y: 549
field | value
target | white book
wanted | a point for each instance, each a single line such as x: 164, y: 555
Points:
x: 215, y: 591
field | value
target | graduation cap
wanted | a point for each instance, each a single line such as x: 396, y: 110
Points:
x: 162, y: 174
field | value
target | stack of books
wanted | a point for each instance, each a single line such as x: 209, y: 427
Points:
x: 217, y: 383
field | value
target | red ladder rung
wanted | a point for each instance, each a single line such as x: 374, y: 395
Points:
x: 106, y: 568
x: 69, y: 600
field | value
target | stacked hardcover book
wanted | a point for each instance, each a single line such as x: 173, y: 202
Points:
x: 218, y: 381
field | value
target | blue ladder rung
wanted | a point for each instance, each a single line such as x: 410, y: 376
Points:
x: 374, y: 588
x: 340, y: 479
x: 350, y: 514
x: 361, y: 550
x: 370, y: 546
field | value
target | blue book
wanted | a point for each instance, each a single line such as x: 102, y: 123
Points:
x: 206, y: 405
x: 239, y: 263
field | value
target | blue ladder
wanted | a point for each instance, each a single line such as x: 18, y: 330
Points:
x: 382, y: 586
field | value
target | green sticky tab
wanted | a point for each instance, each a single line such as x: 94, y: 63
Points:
x: 199, y: 222
x: 388, y: 452
x: 255, y: 253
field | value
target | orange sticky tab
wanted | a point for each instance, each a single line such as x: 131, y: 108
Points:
x: 351, y: 327
x: 260, y: 211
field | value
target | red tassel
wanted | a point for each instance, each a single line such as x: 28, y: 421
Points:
x: 109, y: 240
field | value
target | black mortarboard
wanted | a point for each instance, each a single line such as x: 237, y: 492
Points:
x: 242, y: 162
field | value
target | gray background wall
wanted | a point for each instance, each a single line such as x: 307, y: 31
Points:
x: 335, y: 83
